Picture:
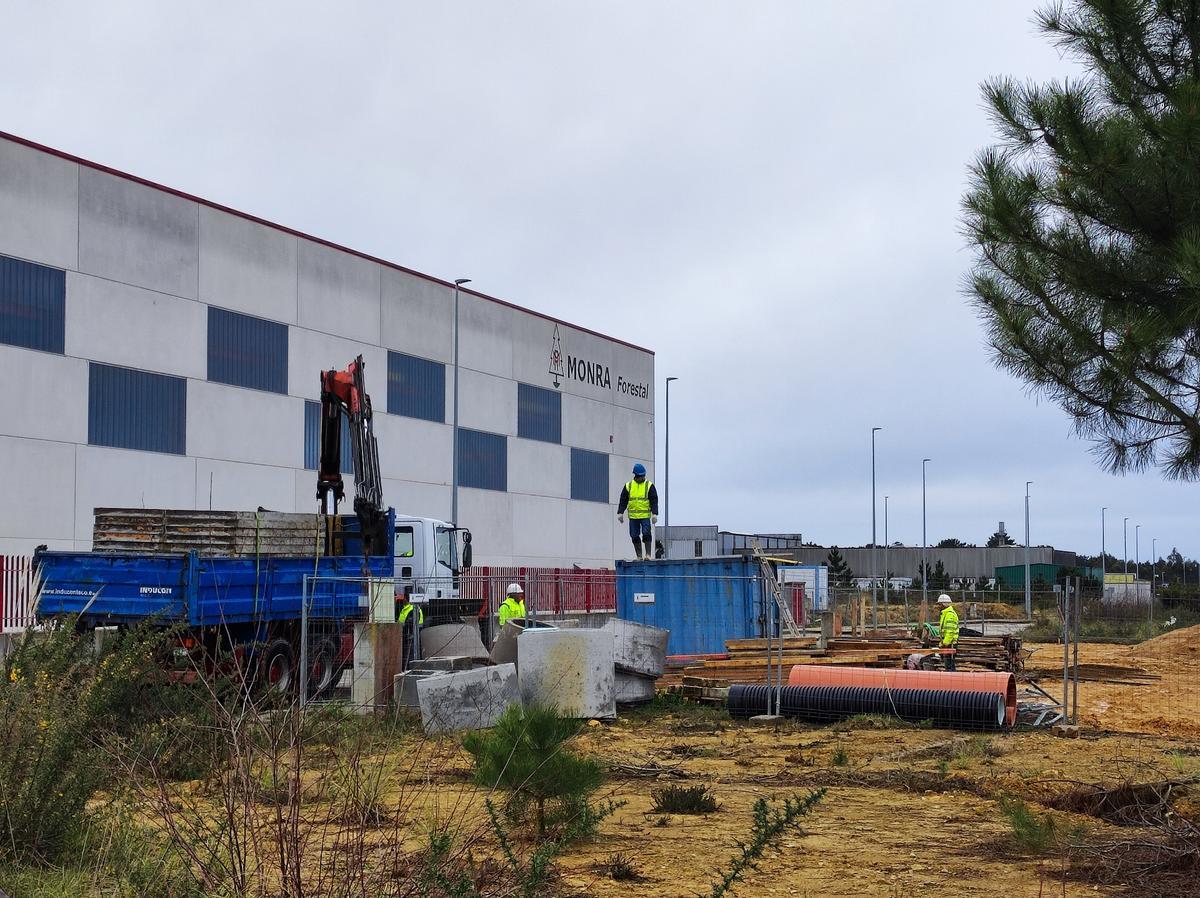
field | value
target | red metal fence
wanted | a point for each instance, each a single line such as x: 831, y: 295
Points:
x: 548, y: 590
x: 17, y: 593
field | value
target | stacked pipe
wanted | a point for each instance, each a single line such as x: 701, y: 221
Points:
x: 822, y: 704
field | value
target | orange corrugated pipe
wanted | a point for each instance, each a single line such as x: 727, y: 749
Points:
x: 958, y: 681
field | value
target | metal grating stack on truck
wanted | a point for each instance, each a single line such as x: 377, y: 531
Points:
x: 231, y: 534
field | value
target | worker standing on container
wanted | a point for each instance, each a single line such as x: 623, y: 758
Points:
x: 640, y: 498
x: 403, y: 615
x: 513, y: 606
x: 948, y: 627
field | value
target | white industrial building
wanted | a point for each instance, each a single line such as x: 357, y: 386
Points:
x: 158, y: 350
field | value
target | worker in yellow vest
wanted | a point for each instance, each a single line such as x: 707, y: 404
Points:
x: 513, y: 606
x: 948, y: 627
x: 640, y: 499
x: 404, y: 614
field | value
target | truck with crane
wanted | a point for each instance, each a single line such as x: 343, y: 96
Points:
x: 237, y: 587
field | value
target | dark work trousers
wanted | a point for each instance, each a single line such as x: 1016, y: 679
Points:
x: 949, y: 659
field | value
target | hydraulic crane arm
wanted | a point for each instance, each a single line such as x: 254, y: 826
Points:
x: 343, y: 393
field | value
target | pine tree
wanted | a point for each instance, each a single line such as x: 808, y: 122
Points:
x: 1000, y: 538
x: 839, y: 572
x: 938, y: 578
x: 950, y: 543
x: 1086, y: 221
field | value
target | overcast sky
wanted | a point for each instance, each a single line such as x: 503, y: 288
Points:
x: 765, y: 194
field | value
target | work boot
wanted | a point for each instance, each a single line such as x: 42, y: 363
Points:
x: 637, y: 547
x: 649, y: 549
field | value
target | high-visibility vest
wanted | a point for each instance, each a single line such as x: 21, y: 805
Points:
x: 639, y: 498
x: 511, y: 608
x: 948, y: 625
x: 407, y: 610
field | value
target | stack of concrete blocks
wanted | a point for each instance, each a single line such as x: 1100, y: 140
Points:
x: 639, y: 656
x: 467, y: 699
x: 571, y: 670
x: 404, y: 685
x: 504, y: 649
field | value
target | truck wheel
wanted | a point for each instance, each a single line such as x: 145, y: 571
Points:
x: 323, y: 668
x: 278, y: 668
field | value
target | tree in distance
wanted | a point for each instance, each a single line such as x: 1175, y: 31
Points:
x: 1000, y: 538
x: 1085, y: 219
x: 839, y: 572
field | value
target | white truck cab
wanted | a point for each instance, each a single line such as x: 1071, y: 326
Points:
x: 430, y: 556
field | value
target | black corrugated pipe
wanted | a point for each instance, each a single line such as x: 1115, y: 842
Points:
x: 821, y: 704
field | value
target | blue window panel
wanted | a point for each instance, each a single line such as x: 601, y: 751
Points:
x: 246, y: 351
x: 132, y: 409
x: 539, y: 414
x: 416, y: 387
x: 312, y: 438
x: 589, y: 476
x: 482, y: 460
x: 32, y: 300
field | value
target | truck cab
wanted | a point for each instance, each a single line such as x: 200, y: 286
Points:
x: 430, y: 557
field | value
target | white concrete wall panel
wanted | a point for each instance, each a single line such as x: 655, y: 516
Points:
x: 587, y: 365
x: 590, y: 530
x: 120, y: 477
x: 620, y: 472
x: 632, y: 371
x: 39, y: 497
x: 532, y: 344
x: 247, y: 267
x: 418, y: 316
x: 337, y: 292
x: 633, y: 433
x: 311, y: 352
x: 539, y: 469
x: 485, y: 336
x: 423, y: 500
x: 45, y: 396
x: 539, y: 528
x: 111, y: 322
x: 488, y: 515
x: 241, y: 487
x: 39, y: 206
x: 135, y: 234
x: 414, y: 450
x: 587, y: 423
x: 485, y: 402
x: 237, y: 424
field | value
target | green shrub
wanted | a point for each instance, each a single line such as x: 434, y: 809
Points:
x: 683, y: 800
x: 840, y: 757
x: 1032, y: 831
x: 526, y: 754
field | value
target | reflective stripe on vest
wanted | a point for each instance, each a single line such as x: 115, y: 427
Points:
x: 639, y: 499
x: 948, y: 625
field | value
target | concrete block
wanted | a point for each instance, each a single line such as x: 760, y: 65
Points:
x: 447, y: 640
x: 442, y: 664
x: 404, y: 687
x: 504, y: 649
x: 378, y: 652
x: 638, y: 648
x: 632, y: 689
x: 467, y: 699
x: 571, y: 670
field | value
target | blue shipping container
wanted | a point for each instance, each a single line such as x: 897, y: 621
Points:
x: 702, y: 601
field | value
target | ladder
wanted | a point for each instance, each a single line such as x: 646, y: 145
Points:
x: 787, y: 621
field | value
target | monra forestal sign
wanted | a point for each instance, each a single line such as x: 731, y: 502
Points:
x: 565, y: 366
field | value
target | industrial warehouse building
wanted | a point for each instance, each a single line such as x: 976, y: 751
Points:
x: 159, y: 351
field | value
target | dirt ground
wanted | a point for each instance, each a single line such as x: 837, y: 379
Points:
x: 908, y: 810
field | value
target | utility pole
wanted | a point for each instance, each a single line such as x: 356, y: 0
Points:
x: 885, y: 558
x: 1028, y: 583
x: 874, y: 550
x: 924, y: 541
x: 1125, y: 553
x: 1103, y: 552
x: 667, y: 479
x: 454, y: 487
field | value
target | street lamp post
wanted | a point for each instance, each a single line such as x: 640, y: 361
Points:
x: 1125, y: 554
x: 1103, y: 551
x: 1137, y: 553
x: 874, y: 551
x: 1028, y: 583
x: 924, y: 541
x: 1153, y: 565
x: 667, y: 478
x: 454, y: 478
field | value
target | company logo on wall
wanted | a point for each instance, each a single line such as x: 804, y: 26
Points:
x: 568, y: 367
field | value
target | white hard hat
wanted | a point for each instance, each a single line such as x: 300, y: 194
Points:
x: 514, y: 589
x: 944, y: 599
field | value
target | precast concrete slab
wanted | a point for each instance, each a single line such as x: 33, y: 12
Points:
x: 446, y: 640
x: 467, y: 699
x: 571, y: 670
x: 404, y: 687
x: 638, y: 648
x: 633, y: 689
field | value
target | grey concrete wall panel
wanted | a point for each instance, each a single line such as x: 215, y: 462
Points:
x: 461, y: 640
x: 247, y: 267
x: 489, y: 515
x: 112, y: 322
x: 467, y: 700
x: 539, y: 469
x: 588, y: 423
x: 423, y: 500
x: 137, y: 235
x: 122, y: 477
x: 39, y: 206
x: 39, y: 501
x: 485, y: 337
x: 632, y: 689
x: 571, y: 670
x: 338, y: 293
x: 638, y: 648
x: 532, y: 344
x: 412, y: 449
x: 633, y: 370
x: 539, y: 528
x: 38, y: 380
x: 620, y: 472
x: 235, y: 424
x: 236, y: 486
x: 588, y: 365
x: 311, y: 352
x: 591, y: 528
x: 633, y: 433
x: 418, y: 316
x: 486, y: 402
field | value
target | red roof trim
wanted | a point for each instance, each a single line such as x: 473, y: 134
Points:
x: 270, y: 224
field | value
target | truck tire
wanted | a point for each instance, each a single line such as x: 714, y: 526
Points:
x: 278, y: 668
x: 324, y: 668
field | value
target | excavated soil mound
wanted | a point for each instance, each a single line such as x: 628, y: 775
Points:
x: 1182, y: 643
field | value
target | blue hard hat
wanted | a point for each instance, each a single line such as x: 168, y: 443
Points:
x: 639, y: 470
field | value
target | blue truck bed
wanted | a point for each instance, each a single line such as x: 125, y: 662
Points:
x: 200, y: 591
